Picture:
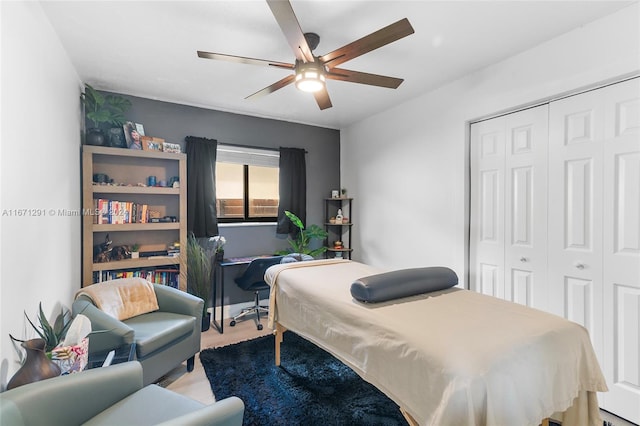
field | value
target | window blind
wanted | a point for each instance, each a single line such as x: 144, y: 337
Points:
x: 246, y: 155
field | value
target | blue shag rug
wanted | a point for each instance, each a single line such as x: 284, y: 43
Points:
x: 311, y: 387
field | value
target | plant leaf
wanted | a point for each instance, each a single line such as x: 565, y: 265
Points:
x: 16, y: 340
x: 295, y: 219
x: 100, y: 116
x: 98, y: 99
x: 50, y: 338
x: 34, y: 326
x: 317, y: 251
x: 198, y: 269
x: 314, y: 231
x: 118, y: 103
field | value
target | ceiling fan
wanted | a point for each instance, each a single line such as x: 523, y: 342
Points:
x: 310, y: 71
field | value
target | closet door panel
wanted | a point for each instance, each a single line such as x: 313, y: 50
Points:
x: 621, y: 282
x: 576, y: 129
x: 526, y: 207
x: 487, y: 201
x: 509, y: 207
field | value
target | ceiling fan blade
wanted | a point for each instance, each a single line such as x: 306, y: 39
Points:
x: 377, y: 39
x: 243, y: 60
x: 272, y: 88
x: 364, y: 78
x: 286, y: 18
x: 322, y: 98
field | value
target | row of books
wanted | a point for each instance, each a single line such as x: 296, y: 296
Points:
x: 120, y: 212
x: 164, y: 276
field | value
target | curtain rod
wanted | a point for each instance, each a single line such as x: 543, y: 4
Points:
x: 254, y: 147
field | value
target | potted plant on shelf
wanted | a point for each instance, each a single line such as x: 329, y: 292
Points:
x: 135, y: 251
x: 301, y: 243
x: 218, y: 247
x: 199, y: 276
x: 102, y: 109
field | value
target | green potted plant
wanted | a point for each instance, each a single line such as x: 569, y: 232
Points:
x: 102, y: 109
x: 199, y: 276
x: 46, y: 356
x: 218, y: 247
x: 37, y: 363
x: 301, y: 243
x: 52, y: 334
x: 135, y: 251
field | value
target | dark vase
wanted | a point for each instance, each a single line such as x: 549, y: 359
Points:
x: 206, y: 321
x: 36, y: 367
x: 219, y: 256
x: 96, y: 137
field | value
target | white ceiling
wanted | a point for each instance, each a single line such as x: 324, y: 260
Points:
x: 148, y: 48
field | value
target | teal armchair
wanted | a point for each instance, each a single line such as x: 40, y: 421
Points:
x: 111, y: 395
x: 164, y: 338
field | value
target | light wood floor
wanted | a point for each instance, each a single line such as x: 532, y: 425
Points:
x: 195, y: 385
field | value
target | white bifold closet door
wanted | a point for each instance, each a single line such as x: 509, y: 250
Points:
x: 508, y: 224
x: 594, y: 230
x: 555, y: 221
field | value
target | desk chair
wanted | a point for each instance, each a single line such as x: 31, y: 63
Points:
x: 253, y: 280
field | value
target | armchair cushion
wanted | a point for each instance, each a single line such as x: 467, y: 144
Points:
x: 156, y: 330
x: 123, y: 298
x: 166, y: 405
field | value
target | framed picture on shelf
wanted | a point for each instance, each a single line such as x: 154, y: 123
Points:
x: 140, y: 129
x: 116, y: 138
x: 132, y: 136
x: 171, y: 147
x: 151, y: 144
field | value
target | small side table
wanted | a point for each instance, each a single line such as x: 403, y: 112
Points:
x: 121, y: 354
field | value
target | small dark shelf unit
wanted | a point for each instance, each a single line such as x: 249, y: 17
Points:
x: 338, y: 231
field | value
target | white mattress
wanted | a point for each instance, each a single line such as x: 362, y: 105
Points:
x: 452, y: 357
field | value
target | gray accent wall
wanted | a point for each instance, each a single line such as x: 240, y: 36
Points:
x: 173, y: 122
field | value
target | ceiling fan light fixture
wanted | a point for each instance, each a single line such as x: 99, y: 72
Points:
x: 310, y: 77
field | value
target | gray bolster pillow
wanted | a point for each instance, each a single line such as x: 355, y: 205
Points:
x: 402, y: 283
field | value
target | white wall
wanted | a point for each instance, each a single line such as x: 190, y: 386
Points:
x: 40, y: 158
x: 407, y: 168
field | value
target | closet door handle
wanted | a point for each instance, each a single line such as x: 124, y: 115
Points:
x: 580, y: 265
x: 523, y: 259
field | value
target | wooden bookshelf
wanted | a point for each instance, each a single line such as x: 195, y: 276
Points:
x: 129, y: 170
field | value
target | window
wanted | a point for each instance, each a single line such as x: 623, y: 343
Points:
x: 247, y: 184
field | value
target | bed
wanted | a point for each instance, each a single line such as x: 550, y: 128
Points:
x: 449, y: 357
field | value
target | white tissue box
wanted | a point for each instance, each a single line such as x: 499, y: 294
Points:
x: 72, y: 359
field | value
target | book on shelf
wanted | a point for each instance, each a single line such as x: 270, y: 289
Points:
x: 161, y: 275
x: 156, y: 253
x: 117, y: 212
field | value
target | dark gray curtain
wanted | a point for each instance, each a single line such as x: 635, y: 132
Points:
x: 201, y: 186
x: 293, y: 189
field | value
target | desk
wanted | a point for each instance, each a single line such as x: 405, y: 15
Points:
x: 218, y: 277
